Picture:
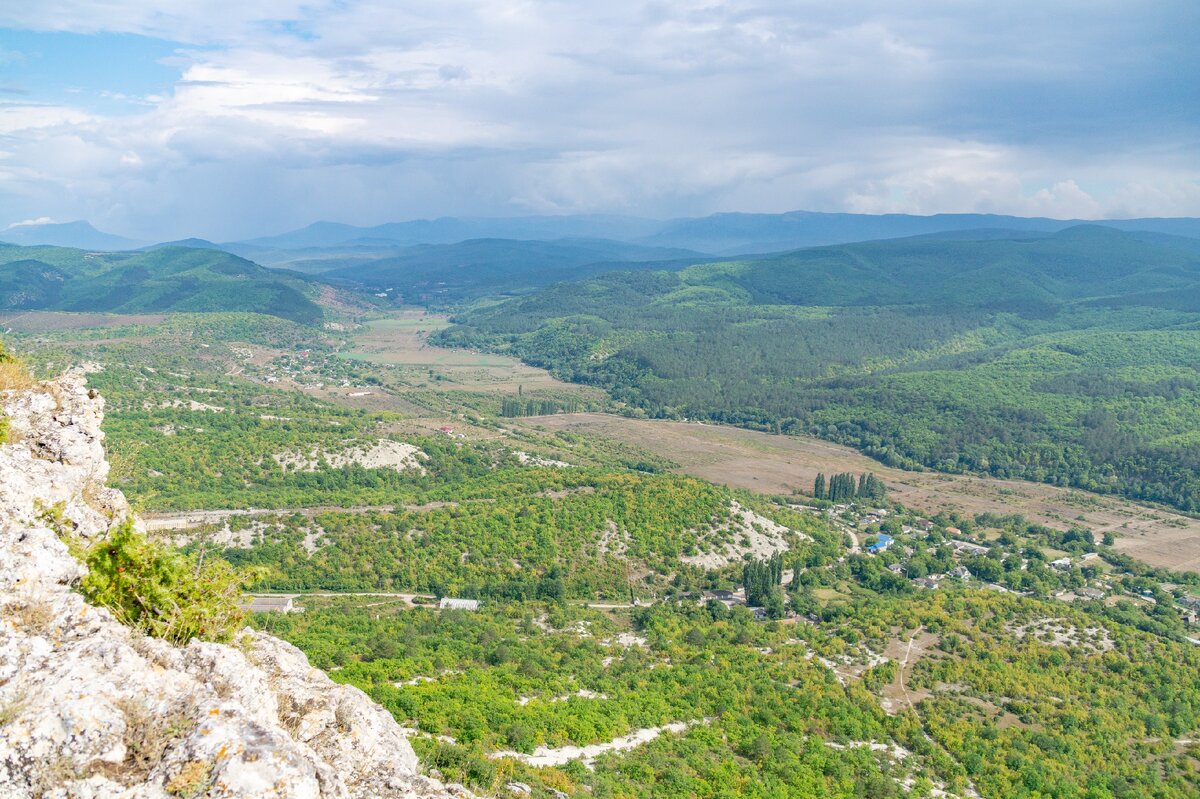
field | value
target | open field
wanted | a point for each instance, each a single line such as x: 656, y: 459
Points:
x: 44, y: 321
x: 400, y: 341
x: 781, y: 464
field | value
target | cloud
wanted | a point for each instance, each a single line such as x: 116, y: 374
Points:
x: 363, y: 110
x: 41, y: 220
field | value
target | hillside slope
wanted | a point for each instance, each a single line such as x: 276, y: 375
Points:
x: 442, y: 273
x: 164, y: 279
x: 1067, y: 358
x: 93, y: 708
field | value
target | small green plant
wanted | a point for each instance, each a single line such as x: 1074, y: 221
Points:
x: 13, y: 375
x: 161, y: 591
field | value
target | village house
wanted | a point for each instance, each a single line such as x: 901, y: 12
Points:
x: 967, y: 547
x: 882, y: 542
x: 1090, y: 593
x: 961, y: 573
x: 450, y: 603
x: 271, y: 604
x: 725, y: 597
x: 1062, y: 564
x: 928, y: 583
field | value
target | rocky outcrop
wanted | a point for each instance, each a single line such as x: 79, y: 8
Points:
x: 90, y: 709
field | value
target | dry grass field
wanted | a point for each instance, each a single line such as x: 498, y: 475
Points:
x: 400, y: 340
x: 781, y: 464
x: 45, y: 321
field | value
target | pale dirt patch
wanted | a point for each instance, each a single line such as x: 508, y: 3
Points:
x: 534, y: 460
x: 753, y: 534
x: 383, y: 454
x: 614, y: 540
x: 896, y: 695
x: 228, y: 538
x: 582, y: 693
x: 545, y: 756
x: 893, y: 750
x: 191, y: 405
x: 848, y: 665
x: 580, y: 629
x: 1060, y: 632
x: 626, y: 640
x: 224, y: 536
x: 313, y: 538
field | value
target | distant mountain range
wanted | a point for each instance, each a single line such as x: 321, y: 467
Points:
x: 719, y: 234
x: 66, y: 234
x: 448, y: 273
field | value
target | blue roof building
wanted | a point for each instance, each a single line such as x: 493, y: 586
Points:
x: 882, y: 542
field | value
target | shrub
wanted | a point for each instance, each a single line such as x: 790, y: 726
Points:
x: 13, y: 375
x: 161, y: 591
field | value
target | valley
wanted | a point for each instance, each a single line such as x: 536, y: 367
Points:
x: 637, y: 400
x: 597, y: 565
x: 774, y: 464
x: 401, y: 340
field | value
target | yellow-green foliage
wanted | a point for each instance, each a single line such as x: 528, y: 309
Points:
x: 161, y: 591
x: 12, y: 375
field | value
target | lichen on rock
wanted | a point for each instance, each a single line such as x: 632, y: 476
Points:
x: 90, y: 709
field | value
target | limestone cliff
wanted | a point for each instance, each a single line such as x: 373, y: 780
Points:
x: 90, y: 709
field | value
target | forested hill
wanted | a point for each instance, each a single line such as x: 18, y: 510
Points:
x: 452, y: 273
x: 1012, y: 273
x: 1069, y: 358
x: 164, y: 279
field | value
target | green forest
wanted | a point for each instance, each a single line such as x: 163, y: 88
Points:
x: 164, y: 279
x: 1068, y: 359
x: 766, y: 641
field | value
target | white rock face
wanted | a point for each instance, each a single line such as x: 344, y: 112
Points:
x: 90, y: 709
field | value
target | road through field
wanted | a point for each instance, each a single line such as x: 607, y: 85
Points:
x: 772, y: 464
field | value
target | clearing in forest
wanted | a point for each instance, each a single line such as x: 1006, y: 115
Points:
x: 772, y: 464
x: 401, y: 340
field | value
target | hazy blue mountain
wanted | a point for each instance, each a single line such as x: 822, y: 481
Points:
x: 453, y: 272
x: 193, y: 243
x: 732, y: 234
x: 67, y: 234
x: 450, y: 230
x: 719, y: 234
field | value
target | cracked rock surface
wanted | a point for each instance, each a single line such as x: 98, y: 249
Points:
x: 90, y: 709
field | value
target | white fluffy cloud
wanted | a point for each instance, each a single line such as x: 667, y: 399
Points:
x: 364, y: 110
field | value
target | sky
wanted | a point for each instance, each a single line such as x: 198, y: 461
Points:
x: 228, y: 119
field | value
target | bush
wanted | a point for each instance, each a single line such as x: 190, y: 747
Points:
x: 161, y: 591
x: 13, y: 375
